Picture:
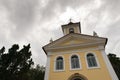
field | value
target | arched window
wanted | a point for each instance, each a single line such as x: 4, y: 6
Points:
x: 71, y: 30
x: 59, y: 63
x: 75, y: 62
x: 91, y: 60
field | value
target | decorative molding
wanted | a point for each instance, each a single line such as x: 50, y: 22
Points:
x: 75, y: 51
x: 59, y: 40
x: 98, y: 65
x: 75, y: 45
x: 55, y: 63
x: 101, y: 47
x: 46, y: 77
x: 79, y: 61
x: 79, y: 36
x: 73, y: 76
x: 109, y: 66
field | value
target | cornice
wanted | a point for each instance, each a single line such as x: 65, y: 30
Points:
x: 75, y: 51
x: 79, y: 36
x: 81, y: 45
x: 94, y: 41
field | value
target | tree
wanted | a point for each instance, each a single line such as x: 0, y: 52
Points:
x: 37, y: 73
x: 115, y: 61
x: 15, y: 64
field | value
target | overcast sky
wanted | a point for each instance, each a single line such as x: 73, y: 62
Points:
x: 36, y: 21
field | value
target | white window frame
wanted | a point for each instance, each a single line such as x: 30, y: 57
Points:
x: 98, y: 65
x: 79, y: 62
x: 55, y: 63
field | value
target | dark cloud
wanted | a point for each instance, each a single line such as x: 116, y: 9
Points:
x: 21, y: 14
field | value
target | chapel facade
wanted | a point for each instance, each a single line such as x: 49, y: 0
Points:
x: 77, y: 56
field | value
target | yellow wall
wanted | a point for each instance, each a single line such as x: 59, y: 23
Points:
x: 92, y: 74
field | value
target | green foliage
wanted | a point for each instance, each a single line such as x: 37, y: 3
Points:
x: 115, y: 61
x: 37, y: 73
x: 15, y: 64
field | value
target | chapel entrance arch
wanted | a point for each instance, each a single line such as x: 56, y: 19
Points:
x: 77, y: 76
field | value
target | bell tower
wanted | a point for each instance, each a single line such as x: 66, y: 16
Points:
x: 71, y: 28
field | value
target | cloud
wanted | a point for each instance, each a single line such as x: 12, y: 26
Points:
x: 36, y: 21
x: 113, y: 37
x: 21, y: 14
x: 55, y: 7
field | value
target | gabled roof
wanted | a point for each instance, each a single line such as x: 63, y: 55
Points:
x: 74, y: 39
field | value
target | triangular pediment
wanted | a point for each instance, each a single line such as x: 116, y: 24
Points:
x: 72, y: 41
x: 75, y: 40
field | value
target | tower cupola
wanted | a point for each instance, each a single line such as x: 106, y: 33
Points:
x: 71, y: 28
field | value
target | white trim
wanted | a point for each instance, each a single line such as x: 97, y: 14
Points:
x: 46, y: 77
x: 75, y: 51
x: 109, y: 66
x: 98, y: 65
x: 79, y: 61
x: 75, y: 45
x: 87, y: 37
x: 55, y: 63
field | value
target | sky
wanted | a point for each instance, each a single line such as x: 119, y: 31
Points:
x: 37, y: 21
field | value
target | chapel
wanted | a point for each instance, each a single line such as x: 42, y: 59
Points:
x: 77, y: 56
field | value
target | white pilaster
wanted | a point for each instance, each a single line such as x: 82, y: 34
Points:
x: 47, y: 68
x: 109, y: 66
